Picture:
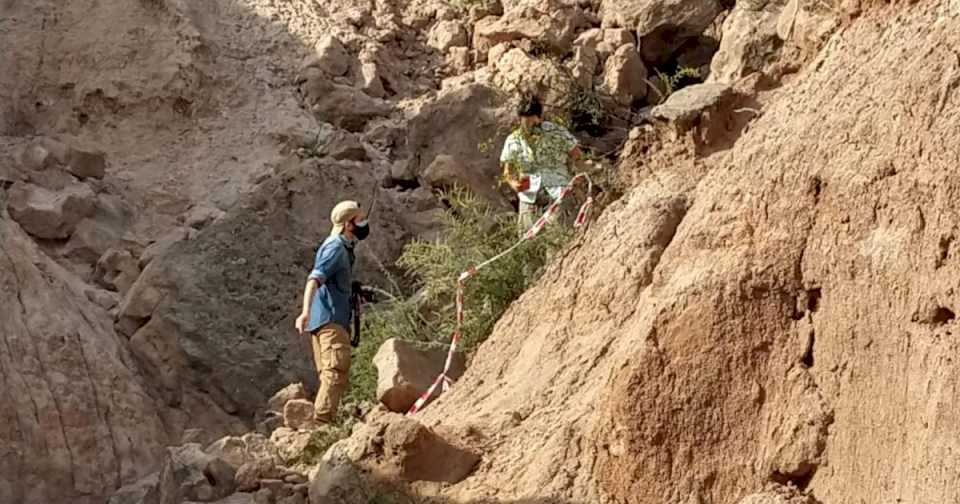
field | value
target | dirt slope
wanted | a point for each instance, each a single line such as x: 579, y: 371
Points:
x: 788, y: 318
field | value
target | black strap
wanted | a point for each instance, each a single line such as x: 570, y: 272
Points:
x: 355, y: 304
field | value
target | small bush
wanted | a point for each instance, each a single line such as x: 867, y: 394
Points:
x: 475, y: 233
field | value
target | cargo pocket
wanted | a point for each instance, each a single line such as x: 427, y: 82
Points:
x: 339, y: 357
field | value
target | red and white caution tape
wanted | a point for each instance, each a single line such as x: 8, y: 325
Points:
x: 443, y: 380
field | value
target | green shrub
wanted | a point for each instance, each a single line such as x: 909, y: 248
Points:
x: 475, y: 232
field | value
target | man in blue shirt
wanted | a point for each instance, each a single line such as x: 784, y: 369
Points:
x: 327, y: 311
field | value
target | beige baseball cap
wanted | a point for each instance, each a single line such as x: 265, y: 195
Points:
x: 342, y: 213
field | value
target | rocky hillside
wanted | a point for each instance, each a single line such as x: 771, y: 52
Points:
x: 764, y: 317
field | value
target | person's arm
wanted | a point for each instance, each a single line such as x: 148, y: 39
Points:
x: 308, y: 291
x: 508, y: 158
x: 512, y: 181
x: 324, y: 261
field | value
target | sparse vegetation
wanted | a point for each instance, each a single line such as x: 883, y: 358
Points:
x: 671, y: 83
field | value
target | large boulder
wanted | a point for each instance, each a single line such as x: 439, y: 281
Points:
x: 465, y: 123
x: 661, y: 26
x: 405, y: 371
x: 749, y: 42
x: 519, y: 71
x: 190, y: 474
x: 683, y: 17
x: 688, y: 103
x: 393, y: 447
x: 550, y: 24
x: 50, y: 214
x: 624, y: 75
x: 343, y: 106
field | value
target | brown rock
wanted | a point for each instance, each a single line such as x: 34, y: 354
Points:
x: 142, y: 491
x: 458, y: 59
x: 295, y: 478
x: 201, y: 216
x: 345, y: 146
x: 330, y: 57
x: 270, y: 423
x: 263, y: 496
x: 405, y: 371
x: 237, y: 498
x: 250, y: 473
x: 749, y: 42
x: 163, y: 244
x: 86, y: 164
x: 47, y: 214
x: 344, y: 106
x: 285, y: 395
x: 294, y: 498
x: 290, y: 442
x: 104, y: 299
x: 276, y: 487
x: 117, y: 269
x: 36, y: 157
x: 447, y: 34
x: 371, y: 80
x: 231, y: 449
x: 684, y: 18
x: 298, y: 414
x: 518, y: 71
x: 91, y: 239
x: 624, y: 75
x: 689, y: 102
x: 549, y: 23
x: 413, y: 450
x: 584, y: 65
x: 190, y: 474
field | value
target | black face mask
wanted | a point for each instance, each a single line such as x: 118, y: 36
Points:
x: 361, y: 230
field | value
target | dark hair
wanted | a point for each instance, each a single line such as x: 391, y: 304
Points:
x: 529, y: 106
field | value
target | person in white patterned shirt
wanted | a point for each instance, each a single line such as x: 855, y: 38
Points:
x: 536, y: 161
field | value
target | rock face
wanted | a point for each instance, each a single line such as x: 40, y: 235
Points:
x: 405, y: 372
x: 213, y: 272
x: 73, y: 392
x: 780, y: 311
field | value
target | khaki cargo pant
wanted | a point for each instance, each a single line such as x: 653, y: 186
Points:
x: 331, y: 353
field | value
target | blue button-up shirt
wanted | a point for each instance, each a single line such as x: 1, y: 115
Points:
x: 333, y: 268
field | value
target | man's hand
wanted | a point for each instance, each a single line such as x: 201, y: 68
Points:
x: 302, y: 321
x: 520, y: 184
